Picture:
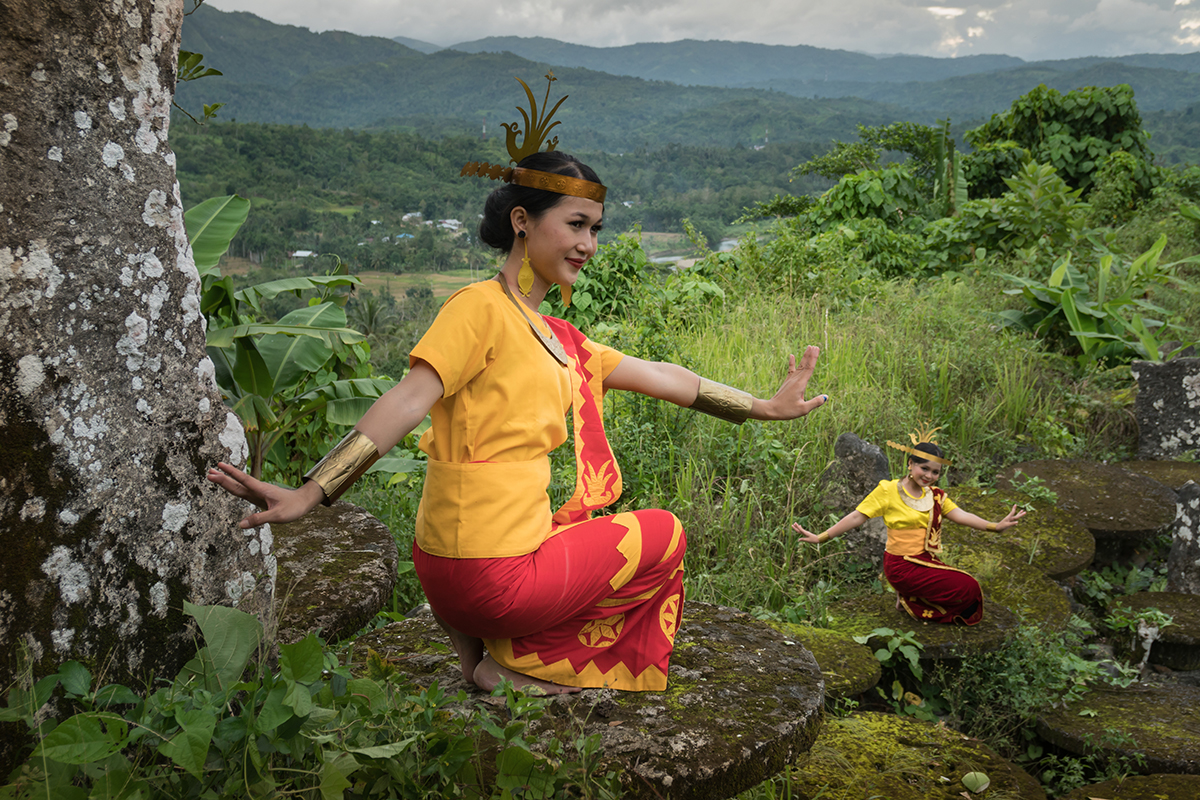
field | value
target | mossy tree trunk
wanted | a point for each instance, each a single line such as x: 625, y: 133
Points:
x: 109, y: 413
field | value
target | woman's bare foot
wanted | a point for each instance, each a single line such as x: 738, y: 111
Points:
x: 469, y: 649
x: 489, y: 674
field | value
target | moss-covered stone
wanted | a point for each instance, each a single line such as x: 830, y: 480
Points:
x: 1158, y: 721
x: 337, y: 568
x: 1173, y: 474
x: 950, y: 643
x: 742, y: 703
x: 848, y: 667
x: 1053, y: 539
x: 900, y: 758
x: 1178, y: 644
x: 1112, y: 502
x: 1141, y: 787
x: 1007, y: 579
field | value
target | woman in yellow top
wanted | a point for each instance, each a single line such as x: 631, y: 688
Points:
x: 557, y: 600
x: 913, y: 508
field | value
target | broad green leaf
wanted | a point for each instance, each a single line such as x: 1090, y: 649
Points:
x: 211, y: 226
x: 398, y: 465
x: 976, y: 782
x: 302, y: 661
x: 225, y: 337
x: 75, y: 678
x: 335, y: 776
x: 230, y: 636
x: 115, y: 694
x: 273, y: 712
x: 291, y: 358
x: 250, y: 371
x: 84, y: 738
x: 387, y: 750
x: 299, y: 699
x: 188, y: 747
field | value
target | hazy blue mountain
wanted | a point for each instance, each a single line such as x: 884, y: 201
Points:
x: 417, y: 44
x: 289, y: 75
x: 719, y: 63
x: 286, y: 74
x: 974, y: 96
x: 248, y: 48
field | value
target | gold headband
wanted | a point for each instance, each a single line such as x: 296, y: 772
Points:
x: 534, y: 134
x: 921, y: 454
x: 922, y: 436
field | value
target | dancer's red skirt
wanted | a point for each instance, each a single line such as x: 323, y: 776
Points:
x: 598, y: 604
x: 931, y: 591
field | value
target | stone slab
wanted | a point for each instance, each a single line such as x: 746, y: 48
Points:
x: 1113, y: 503
x: 946, y: 643
x: 1160, y: 720
x: 1141, y: 787
x: 1178, y: 644
x: 1008, y: 579
x: 877, y: 755
x: 1052, y: 538
x: 337, y: 569
x: 1173, y: 474
x: 849, y: 668
x: 742, y: 702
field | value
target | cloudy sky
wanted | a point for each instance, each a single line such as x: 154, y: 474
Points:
x: 1030, y: 29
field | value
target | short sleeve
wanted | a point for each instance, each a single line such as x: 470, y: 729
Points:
x: 948, y: 505
x: 874, y: 504
x: 609, y: 358
x: 461, y: 341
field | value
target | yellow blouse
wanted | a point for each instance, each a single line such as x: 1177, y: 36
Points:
x: 503, y: 409
x: 906, y: 525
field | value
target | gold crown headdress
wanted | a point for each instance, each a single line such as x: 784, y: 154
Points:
x: 923, y: 435
x: 534, y: 133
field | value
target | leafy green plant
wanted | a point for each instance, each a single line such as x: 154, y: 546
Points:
x: 900, y: 657
x: 1074, y: 133
x: 276, y: 376
x: 890, y: 194
x: 312, y: 729
x: 1033, y: 486
x: 1140, y: 629
x: 1089, y: 321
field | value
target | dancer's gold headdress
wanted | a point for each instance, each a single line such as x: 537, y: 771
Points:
x: 922, y: 435
x: 534, y: 134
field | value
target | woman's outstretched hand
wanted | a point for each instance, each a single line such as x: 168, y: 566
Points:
x: 1013, y: 517
x: 789, y: 402
x: 805, y: 536
x: 279, y: 503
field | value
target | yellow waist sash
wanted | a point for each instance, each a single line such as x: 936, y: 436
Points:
x: 906, y: 541
x: 484, y: 510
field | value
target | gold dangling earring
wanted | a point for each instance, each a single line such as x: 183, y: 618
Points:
x: 525, y: 276
x: 566, y: 294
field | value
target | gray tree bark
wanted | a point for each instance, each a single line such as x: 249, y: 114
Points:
x: 109, y: 414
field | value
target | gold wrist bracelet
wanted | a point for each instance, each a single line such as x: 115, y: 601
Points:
x: 992, y: 526
x: 343, y: 465
x: 723, y: 402
x: 824, y: 537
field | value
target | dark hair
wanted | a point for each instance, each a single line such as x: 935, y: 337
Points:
x: 925, y: 447
x: 496, y: 228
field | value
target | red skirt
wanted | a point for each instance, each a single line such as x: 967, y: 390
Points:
x: 597, y: 605
x: 931, y: 591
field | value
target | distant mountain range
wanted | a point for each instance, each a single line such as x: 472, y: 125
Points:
x: 646, y: 95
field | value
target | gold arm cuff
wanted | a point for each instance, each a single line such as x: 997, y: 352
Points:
x: 343, y: 465
x: 992, y: 526
x: 824, y: 537
x: 723, y: 402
